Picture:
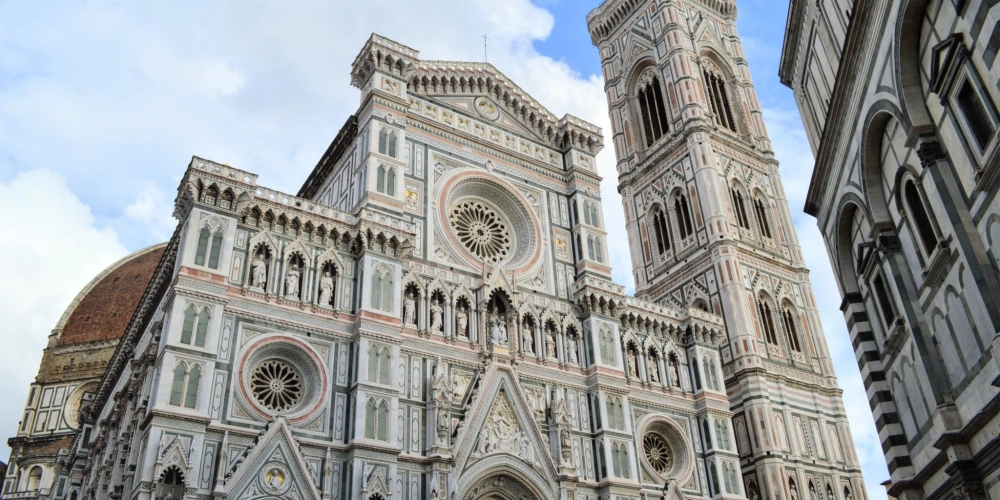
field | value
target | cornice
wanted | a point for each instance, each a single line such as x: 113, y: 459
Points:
x: 839, y: 105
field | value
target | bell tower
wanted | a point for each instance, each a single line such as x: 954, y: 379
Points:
x: 709, y: 228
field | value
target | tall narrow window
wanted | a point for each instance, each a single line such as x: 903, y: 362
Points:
x: 383, y: 367
x: 390, y: 182
x: 615, y: 461
x: 593, y: 215
x: 380, y: 179
x: 683, y: 213
x: 657, y: 230
x: 370, y: 419
x: 590, y: 247
x: 649, y: 98
x: 187, y: 328
x: 383, y: 139
x: 992, y: 46
x: 767, y: 321
x: 177, y: 385
x: 199, y: 256
x: 979, y: 116
x: 383, y: 421
x: 392, y: 145
x: 598, y: 251
x: 739, y: 206
x: 202, y: 332
x: 718, y: 97
x: 788, y: 321
x: 213, y: 259
x: 919, y: 218
x: 586, y: 213
x: 191, y: 392
x: 885, y: 306
x: 386, y: 302
x: 376, y: 298
x: 760, y: 211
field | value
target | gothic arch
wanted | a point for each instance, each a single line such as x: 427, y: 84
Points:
x: 494, y: 484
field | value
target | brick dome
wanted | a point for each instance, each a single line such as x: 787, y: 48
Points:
x: 103, y: 309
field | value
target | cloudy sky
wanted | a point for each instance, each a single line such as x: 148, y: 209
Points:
x: 102, y: 104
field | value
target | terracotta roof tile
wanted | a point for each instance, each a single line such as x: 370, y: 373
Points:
x: 106, y: 309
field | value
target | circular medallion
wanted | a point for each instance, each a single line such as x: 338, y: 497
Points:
x: 274, y: 479
x: 487, y: 108
x: 481, y: 230
x: 666, y: 453
x: 276, y: 385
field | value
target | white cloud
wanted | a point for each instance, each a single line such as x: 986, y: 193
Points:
x: 153, y: 209
x: 50, y: 250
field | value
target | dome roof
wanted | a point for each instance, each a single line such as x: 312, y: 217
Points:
x: 103, y: 309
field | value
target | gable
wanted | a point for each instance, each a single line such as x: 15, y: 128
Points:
x: 274, y: 467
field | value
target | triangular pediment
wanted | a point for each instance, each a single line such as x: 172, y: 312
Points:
x: 500, y: 431
x: 503, y: 119
x: 273, y: 468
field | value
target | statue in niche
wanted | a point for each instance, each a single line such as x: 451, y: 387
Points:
x: 498, y: 329
x: 436, y: 313
x: 633, y: 364
x: 654, y: 371
x: 461, y: 321
x: 258, y: 272
x: 326, y: 289
x: 574, y: 350
x: 829, y: 494
x: 812, y: 492
x: 527, y: 339
x: 565, y: 445
x: 793, y: 492
x: 676, y: 374
x: 292, y: 282
x: 409, y: 310
x: 550, y: 343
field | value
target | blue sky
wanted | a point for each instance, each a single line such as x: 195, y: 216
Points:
x: 102, y: 105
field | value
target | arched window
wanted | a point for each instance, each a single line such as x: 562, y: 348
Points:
x: 383, y: 141
x: 598, y: 251
x: 623, y: 457
x: 392, y: 145
x: 601, y: 466
x: 191, y: 392
x: 202, y: 332
x: 380, y: 179
x: 727, y: 479
x: 713, y: 477
x: 213, y: 259
x: 661, y: 230
x: 616, y: 414
x: 718, y: 97
x: 761, y: 212
x: 199, y: 256
x: 706, y: 435
x: 586, y: 213
x: 710, y: 373
x: 739, y: 206
x: 171, y: 484
x: 371, y: 419
x: 788, y: 321
x: 579, y: 248
x: 381, y: 298
x: 616, y: 461
x: 766, y: 321
x: 722, y: 432
x: 390, y: 182
x: 188, y: 326
x: 885, y: 306
x: 593, y: 215
x: 919, y: 219
x: 184, y: 386
x: 383, y: 421
x: 378, y: 365
x: 35, y: 478
x: 607, y: 344
x: 649, y: 98
x: 683, y: 213
x: 590, y: 247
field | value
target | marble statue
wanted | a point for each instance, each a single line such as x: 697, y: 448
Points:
x: 461, y: 321
x: 258, y: 272
x: 326, y: 289
x: 436, y: 313
x: 292, y: 282
x: 409, y: 310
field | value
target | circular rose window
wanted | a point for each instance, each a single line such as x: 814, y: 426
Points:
x: 481, y: 230
x: 665, y: 451
x: 657, y: 452
x: 282, y: 376
x: 276, y: 385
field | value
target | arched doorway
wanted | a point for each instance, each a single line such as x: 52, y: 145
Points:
x: 501, y: 486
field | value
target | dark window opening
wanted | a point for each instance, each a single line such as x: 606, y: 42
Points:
x: 976, y: 114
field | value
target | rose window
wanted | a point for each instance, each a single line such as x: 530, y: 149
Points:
x: 657, y: 452
x: 481, y: 230
x: 276, y: 385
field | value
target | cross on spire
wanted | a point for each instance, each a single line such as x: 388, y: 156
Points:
x: 485, y: 54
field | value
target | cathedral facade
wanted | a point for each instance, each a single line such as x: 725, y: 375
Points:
x: 899, y: 101
x: 432, y: 315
